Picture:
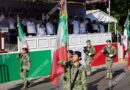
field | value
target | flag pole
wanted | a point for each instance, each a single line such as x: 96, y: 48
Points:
x: 68, y: 50
x: 129, y: 28
x: 128, y: 51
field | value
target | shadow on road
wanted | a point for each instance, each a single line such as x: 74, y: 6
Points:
x: 98, y: 70
x: 19, y: 86
x: 93, y: 85
x: 118, y: 72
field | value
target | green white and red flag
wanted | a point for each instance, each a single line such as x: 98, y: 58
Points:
x: 126, y: 33
x: 21, y: 35
x: 60, y: 52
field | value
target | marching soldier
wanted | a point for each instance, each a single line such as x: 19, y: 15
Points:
x: 89, y: 51
x: 78, y: 79
x: 110, y: 52
x: 25, y: 66
x: 67, y: 64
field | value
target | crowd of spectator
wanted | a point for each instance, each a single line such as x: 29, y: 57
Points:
x: 42, y: 27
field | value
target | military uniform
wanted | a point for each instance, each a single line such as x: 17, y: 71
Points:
x: 74, y: 77
x: 25, y: 66
x: 110, y: 52
x: 66, y: 76
x: 89, y: 54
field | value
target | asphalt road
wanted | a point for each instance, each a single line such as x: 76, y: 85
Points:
x: 97, y: 81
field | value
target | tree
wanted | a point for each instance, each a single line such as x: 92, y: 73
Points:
x: 119, y: 10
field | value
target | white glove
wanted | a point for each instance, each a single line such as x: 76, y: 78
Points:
x: 110, y: 55
x: 90, y: 54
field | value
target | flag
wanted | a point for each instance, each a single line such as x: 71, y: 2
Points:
x: 126, y: 34
x: 60, y: 52
x: 21, y: 35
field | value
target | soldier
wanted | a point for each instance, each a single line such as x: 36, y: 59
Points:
x: 110, y: 52
x: 89, y: 51
x: 77, y: 79
x: 67, y: 64
x: 25, y: 66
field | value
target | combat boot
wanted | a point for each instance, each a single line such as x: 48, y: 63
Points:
x: 88, y: 73
x: 24, y: 86
x: 107, y: 76
x: 110, y: 77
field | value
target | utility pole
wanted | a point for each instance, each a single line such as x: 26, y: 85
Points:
x: 109, y: 12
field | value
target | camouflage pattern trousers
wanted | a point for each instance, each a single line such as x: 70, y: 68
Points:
x: 23, y: 75
x: 88, y: 62
x: 109, y: 63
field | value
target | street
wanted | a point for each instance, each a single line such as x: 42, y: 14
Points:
x: 97, y: 81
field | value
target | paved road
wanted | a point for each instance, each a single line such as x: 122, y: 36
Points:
x: 97, y: 81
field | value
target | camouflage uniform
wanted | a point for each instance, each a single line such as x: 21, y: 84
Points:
x: 111, y: 52
x: 66, y: 77
x: 25, y: 66
x: 89, y: 51
x: 74, y: 77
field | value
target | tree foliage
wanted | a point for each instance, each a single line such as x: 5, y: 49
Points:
x: 119, y: 10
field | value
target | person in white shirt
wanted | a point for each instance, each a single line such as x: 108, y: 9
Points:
x: 12, y: 29
x: 40, y: 29
x: 12, y: 23
x: 95, y: 26
x: 50, y: 28
x: 31, y: 28
x: 43, y: 17
x: 101, y: 27
x: 82, y: 26
x: 24, y: 23
x: 75, y: 24
x: 4, y: 22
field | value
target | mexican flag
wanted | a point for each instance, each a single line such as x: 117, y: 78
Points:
x: 60, y: 52
x: 126, y: 38
x: 21, y: 35
x: 126, y: 33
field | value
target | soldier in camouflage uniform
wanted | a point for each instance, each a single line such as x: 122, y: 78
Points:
x: 89, y: 51
x: 110, y: 52
x: 25, y: 66
x: 77, y: 79
x: 66, y: 64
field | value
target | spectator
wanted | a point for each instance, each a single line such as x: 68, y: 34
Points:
x: 4, y: 22
x: 24, y: 23
x: 40, y: 29
x: 95, y: 27
x: 75, y: 24
x: 43, y: 17
x: 31, y: 27
x: 82, y: 26
x: 70, y: 26
x: 101, y: 28
x: 12, y: 27
x: 50, y: 28
x: 89, y: 26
